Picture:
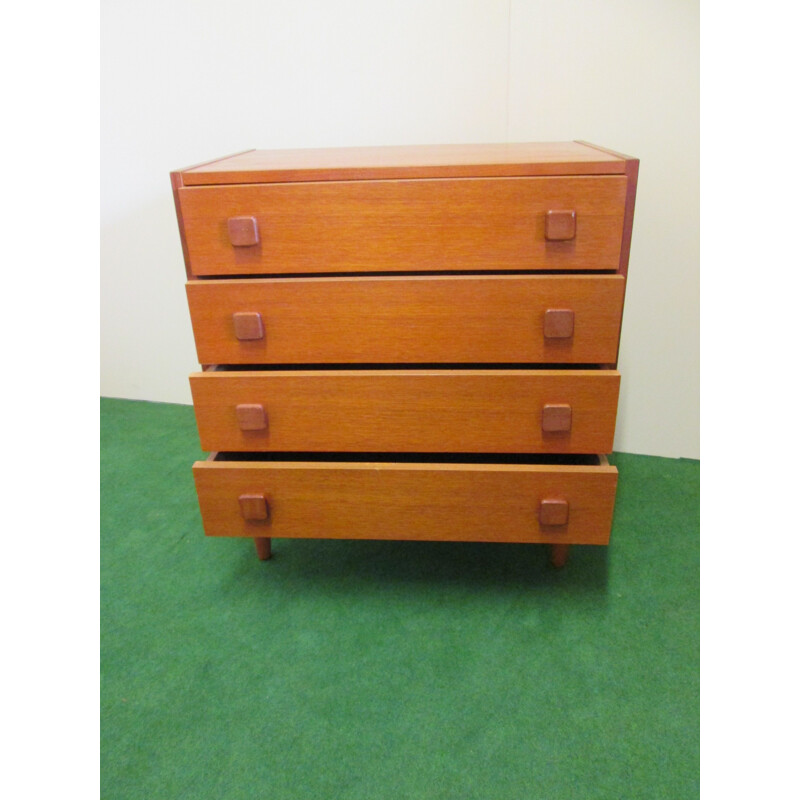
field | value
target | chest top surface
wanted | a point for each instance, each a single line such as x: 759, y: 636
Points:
x: 413, y: 161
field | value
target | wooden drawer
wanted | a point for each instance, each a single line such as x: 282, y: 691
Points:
x: 399, y: 225
x: 426, y: 411
x: 444, y: 319
x: 424, y: 501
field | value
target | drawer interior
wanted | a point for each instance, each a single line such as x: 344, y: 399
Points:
x: 391, y: 366
x: 526, y: 459
x: 309, y: 275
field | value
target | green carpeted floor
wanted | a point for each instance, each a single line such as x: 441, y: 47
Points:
x: 385, y: 669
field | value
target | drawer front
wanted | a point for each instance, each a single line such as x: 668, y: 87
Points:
x: 444, y: 502
x: 437, y: 224
x: 462, y: 411
x: 499, y: 319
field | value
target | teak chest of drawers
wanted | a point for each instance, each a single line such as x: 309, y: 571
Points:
x: 408, y: 342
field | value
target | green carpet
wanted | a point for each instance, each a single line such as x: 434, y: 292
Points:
x: 390, y: 669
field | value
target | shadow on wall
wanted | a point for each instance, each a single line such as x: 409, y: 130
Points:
x: 146, y: 344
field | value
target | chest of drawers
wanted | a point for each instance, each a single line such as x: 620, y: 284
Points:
x: 408, y: 342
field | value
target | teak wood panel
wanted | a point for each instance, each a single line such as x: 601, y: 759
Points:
x: 408, y: 320
x: 413, y: 161
x: 464, y: 411
x: 444, y: 502
x: 405, y: 225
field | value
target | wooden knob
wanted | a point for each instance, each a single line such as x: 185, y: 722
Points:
x: 251, y: 417
x: 559, y: 323
x: 553, y: 511
x: 253, y: 507
x: 556, y: 417
x: 243, y: 231
x: 559, y: 226
x: 247, y: 325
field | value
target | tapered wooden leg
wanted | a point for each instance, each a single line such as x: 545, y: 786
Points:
x: 263, y: 547
x: 558, y: 554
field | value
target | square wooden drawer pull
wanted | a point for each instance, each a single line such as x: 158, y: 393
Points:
x: 251, y: 417
x: 253, y: 507
x: 559, y: 323
x: 559, y: 226
x: 247, y: 325
x: 553, y: 511
x: 556, y: 418
x: 243, y: 231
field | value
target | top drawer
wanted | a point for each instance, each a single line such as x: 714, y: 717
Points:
x: 438, y: 224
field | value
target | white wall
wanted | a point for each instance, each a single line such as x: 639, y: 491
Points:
x: 184, y: 82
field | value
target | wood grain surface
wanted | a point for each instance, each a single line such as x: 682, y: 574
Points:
x: 425, y: 411
x: 443, y: 502
x: 413, y: 161
x: 301, y: 249
x: 632, y: 172
x: 405, y: 225
x: 469, y: 319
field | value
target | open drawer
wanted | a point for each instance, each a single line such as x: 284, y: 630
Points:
x: 546, y: 499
